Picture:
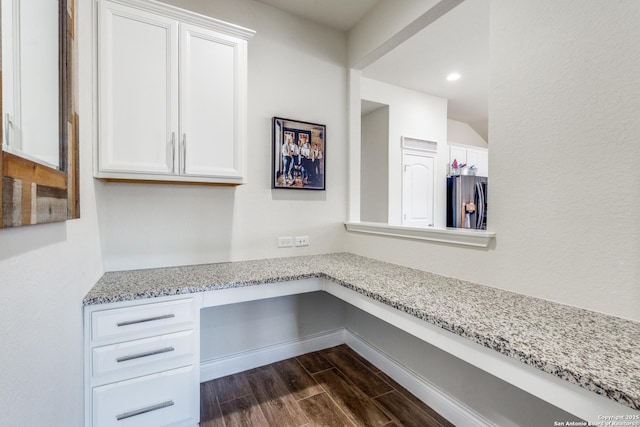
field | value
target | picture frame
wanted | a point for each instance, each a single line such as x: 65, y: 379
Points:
x: 299, y: 155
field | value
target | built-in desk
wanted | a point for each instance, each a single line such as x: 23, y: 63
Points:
x: 581, y: 361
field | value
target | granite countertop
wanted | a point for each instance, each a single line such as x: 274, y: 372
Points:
x: 595, y: 351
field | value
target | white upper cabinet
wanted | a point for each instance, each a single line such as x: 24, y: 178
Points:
x: 172, y: 95
x: 469, y: 155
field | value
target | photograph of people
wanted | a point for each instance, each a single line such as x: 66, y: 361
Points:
x: 298, y: 149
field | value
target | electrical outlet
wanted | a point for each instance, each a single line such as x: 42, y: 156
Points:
x: 302, y: 241
x: 285, y: 242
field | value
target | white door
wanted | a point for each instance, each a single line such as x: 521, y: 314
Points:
x: 208, y: 105
x: 138, y: 83
x: 417, y: 190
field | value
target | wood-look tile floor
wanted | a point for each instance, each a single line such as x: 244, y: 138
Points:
x: 333, y: 387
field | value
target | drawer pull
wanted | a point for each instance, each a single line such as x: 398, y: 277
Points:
x: 148, y: 319
x: 145, y: 354
x: 141, y: 411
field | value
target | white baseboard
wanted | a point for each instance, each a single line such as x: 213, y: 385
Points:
x: 423, y: 389
x: 451, y: 409
x: 216, y: 368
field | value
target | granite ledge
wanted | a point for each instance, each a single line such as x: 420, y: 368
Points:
x: 593, y: 350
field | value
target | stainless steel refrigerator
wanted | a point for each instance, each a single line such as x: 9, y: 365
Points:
x: 467, y: 202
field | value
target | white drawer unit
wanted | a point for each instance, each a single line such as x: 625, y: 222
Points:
x: 142, y: 363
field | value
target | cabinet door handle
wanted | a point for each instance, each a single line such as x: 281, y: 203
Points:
x: 147, y: 319
x: 145, y: 354
x: 184, y: 153
x: 173, y: 152
x: 141, y: 411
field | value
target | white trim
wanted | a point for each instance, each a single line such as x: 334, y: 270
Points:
x: 420, y: 387
x: 264, y: 291
x: 420, y: 145
x: 455, y: 236
x: 227, y: 365
x: 189, y: 16
x: 354, y: 146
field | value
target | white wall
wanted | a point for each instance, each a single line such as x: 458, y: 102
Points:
x: 462, y: 133
x: 415, y: 115
x: 45, y: 270
x: 231, y: 329
x: 296, y: 70
x: 374, y: 172
x: 564, y: 157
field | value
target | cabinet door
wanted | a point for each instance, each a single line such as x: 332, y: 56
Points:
x: 479, y: 158
x: 212, y: 91
x: 457, y: 153
x: 138, y: 75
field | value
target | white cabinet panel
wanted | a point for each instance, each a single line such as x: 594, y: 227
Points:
x: 208, y: 102
x: 138, y: 89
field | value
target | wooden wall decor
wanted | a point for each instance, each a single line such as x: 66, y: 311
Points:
x: 32, y: 193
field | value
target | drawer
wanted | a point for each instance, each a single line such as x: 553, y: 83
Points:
x: 143, y: 356
x: 144, y: 320
x: 163, y: 399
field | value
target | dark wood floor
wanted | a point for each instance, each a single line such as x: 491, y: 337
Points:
x: 333, y: 387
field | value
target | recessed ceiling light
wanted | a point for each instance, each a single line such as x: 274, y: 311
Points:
x: 453, y: 77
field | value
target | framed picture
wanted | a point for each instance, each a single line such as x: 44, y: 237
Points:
x: 299, y: 155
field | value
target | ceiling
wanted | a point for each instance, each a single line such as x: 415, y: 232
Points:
x: 339, y: 14
x: 456, y: 42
